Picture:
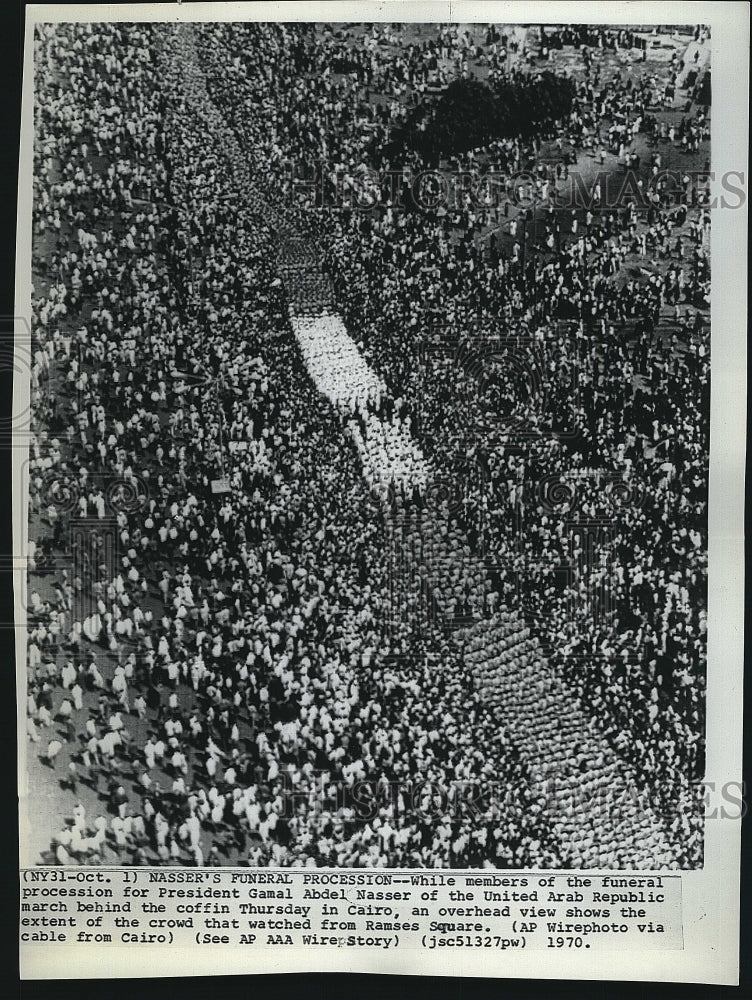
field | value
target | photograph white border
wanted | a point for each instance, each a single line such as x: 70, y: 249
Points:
x: 711, y: 895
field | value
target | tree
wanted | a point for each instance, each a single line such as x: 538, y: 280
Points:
x: 470, y: 114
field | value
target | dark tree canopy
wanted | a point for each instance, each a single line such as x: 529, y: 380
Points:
x: 703, y: 92
x: 471, y: 113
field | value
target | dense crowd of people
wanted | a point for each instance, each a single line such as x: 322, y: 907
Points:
x: 230, y: 682
x: 221, y: 674
x: 402, y: 279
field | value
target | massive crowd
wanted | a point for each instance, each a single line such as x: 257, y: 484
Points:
x: 237, y: 629
x: 221, y: 675
x: 629, y: 634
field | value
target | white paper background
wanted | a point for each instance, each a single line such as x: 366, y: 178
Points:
x: 711, y: 929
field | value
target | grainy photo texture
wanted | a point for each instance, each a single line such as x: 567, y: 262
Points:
x: 369, y: 434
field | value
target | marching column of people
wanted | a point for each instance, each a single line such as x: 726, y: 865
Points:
x: 228, y: 682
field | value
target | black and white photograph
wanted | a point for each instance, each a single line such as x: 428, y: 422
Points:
x: 368, y: 444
